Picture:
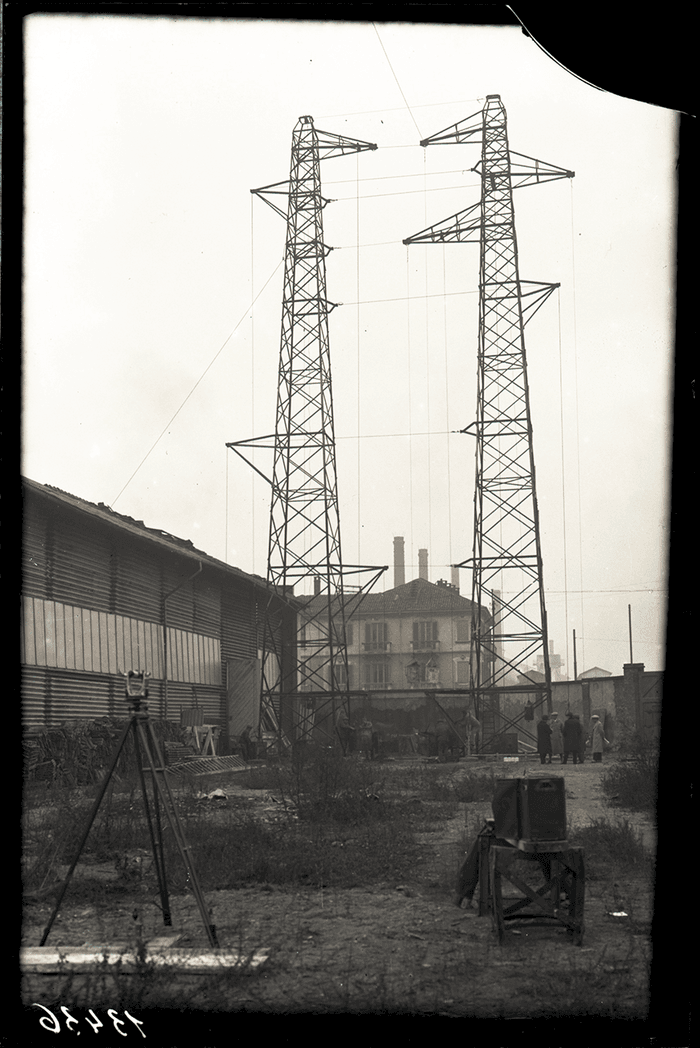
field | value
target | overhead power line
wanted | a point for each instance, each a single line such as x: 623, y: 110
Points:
x: 207, y: 368
x: 396, y: 78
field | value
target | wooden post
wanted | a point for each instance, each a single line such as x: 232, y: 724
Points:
x: 575, y: 668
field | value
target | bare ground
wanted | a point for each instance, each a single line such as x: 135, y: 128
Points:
x: 399, y: 947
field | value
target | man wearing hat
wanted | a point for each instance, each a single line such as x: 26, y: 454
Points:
x: 598, y: 740
x: 544, y: 740
x: 572, y: 733
x: 557, y: 741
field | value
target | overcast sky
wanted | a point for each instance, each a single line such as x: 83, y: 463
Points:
x: 144, y: 251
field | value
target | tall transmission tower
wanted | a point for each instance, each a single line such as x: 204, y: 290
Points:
x: 304, y: 678
x: 507, y: 575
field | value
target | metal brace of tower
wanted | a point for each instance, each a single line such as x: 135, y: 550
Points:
x: 305, y: 677
x: 507, y: 575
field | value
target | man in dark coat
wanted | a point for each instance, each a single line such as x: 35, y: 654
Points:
x: 544, y: 740
x: 572, y: 737
x: 582, y: 740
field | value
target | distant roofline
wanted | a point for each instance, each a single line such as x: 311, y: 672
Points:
x: 368, y: 606
x: 137, y: 528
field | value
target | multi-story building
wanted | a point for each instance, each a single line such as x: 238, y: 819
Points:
x: 415, y: 636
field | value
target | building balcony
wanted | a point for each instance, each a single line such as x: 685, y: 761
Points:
x: 425, y: 645
x: 377, y: 645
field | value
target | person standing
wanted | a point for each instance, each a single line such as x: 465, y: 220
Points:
x: 581, y: 739
x: 345, y: 732
x: 598, y: 740
x: 571, y: 738
x: 544, y: 740
x: 557, y: 741
x: 248, y: 747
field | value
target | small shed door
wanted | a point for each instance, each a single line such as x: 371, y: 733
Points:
x: 242, y: 695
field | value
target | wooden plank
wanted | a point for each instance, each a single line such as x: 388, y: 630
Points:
x: 43, y: 960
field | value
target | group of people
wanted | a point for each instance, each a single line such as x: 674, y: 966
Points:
x: 568, y: 739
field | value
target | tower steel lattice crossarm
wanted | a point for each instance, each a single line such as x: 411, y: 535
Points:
x: 507, y: 572
x: 304, y: 548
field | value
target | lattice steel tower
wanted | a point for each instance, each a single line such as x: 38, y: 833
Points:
x: 306, y: 676
x: 506, y: 564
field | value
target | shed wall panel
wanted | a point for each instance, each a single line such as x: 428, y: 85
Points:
x: 35, y: 560
x: 81, y: 564
x: 138, y: 581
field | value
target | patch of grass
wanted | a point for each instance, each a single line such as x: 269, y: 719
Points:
x: 322, y: 786
x: 444, y: 782
x: 613, y: 848
x: 334, y: 826
x: 605, y: 987
x: 342, y: 836
x: 633, y: 782
x: 329, y: 853
x: 52, y: 833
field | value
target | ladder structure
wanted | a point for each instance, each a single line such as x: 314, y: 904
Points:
x: 304, y: 678
x: 506, y: 563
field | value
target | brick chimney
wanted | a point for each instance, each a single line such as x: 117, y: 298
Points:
x: 455, y: 577
x: 399, y: 562
x: 423, y: 564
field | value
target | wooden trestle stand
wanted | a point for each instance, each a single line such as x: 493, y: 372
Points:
x: 529, y: 825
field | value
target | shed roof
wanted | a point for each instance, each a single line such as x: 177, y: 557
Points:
x: 105, y: 514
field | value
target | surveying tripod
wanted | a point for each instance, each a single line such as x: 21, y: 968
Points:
x: 146, y: 747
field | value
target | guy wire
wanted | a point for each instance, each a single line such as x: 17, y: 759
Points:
x: 578, y: 442
x: 359, y: 399
x: 410, y: 406
x: 563, y: 480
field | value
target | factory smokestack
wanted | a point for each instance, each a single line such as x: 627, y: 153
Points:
x: 423, y: 564
x: 399, y: 562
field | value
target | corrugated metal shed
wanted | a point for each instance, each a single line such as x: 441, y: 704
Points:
x: 99, y: 591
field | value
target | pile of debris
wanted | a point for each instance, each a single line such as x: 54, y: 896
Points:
x: 79, y: 752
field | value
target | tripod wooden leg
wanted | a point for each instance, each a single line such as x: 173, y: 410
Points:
x: 93, y: 814
x: 156, y: 833
x: 165, y: 795
x: 496, y: 892
x: 576, y: 897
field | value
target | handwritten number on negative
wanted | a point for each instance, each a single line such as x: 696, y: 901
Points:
x: 56, y: 1028
x: 69, y: 1018
x: 51, y: 1023
x: 97, y: 1024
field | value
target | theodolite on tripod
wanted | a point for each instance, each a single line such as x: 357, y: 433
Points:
x: 148, y: 759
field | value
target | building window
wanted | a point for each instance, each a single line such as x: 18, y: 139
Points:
x: 425, y: 636
x: 462, y: 666
x: 463, y: 631
x: 376, y: 672
x: 349, y: 634
x: 376, y: 636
